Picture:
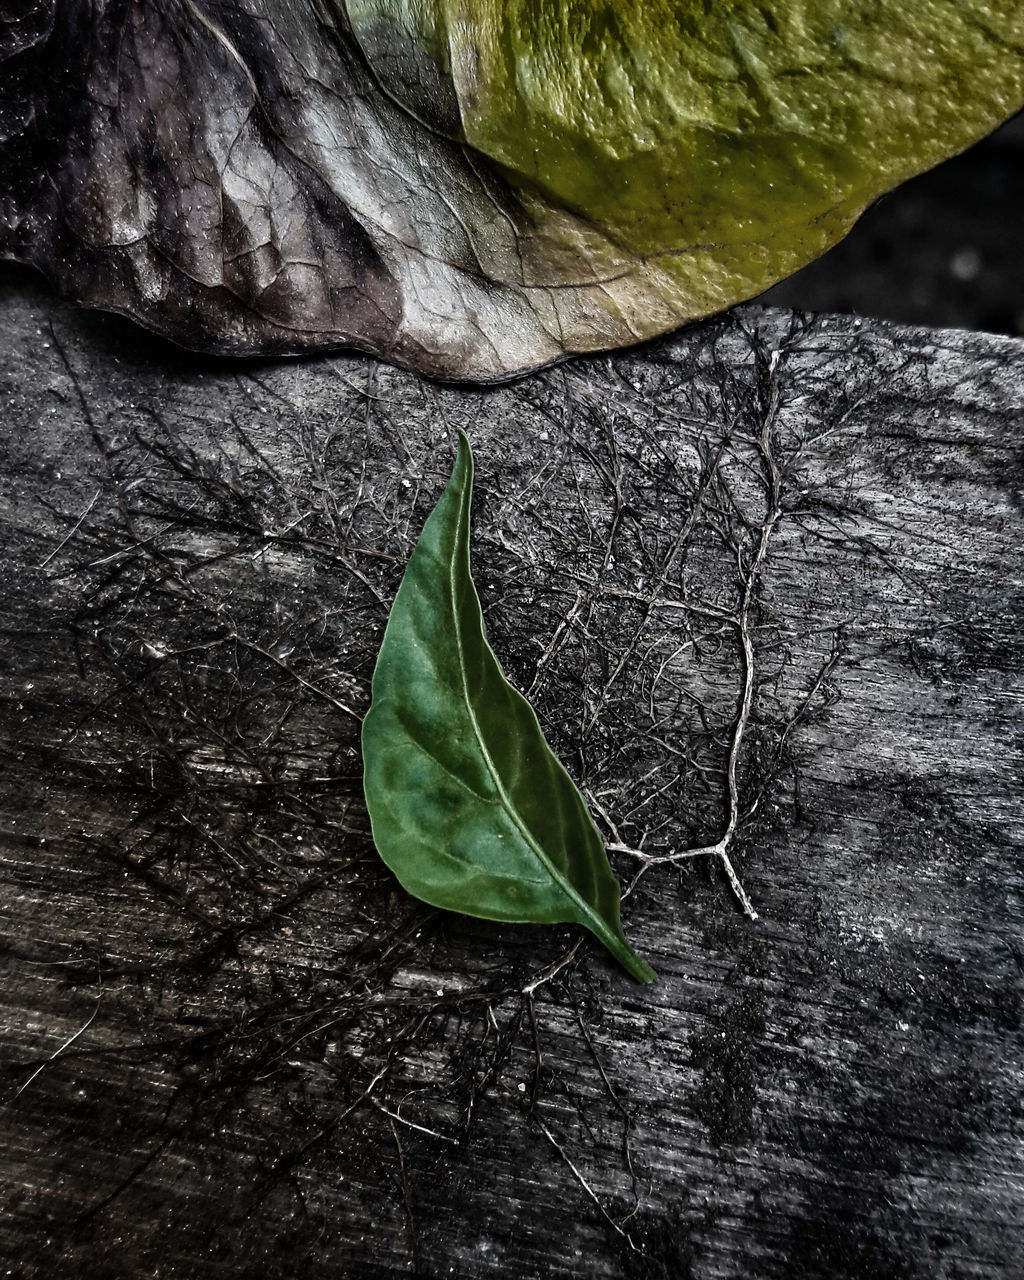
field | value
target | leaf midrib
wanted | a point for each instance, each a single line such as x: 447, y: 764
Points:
x: 598, y: 925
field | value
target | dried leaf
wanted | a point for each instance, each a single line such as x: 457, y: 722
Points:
x: 468, y: 187
x: 469, y: 807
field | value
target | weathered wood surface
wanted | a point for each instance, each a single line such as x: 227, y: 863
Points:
x: 232, y: 1047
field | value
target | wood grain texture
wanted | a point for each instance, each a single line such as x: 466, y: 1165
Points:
x: 282, y: 1065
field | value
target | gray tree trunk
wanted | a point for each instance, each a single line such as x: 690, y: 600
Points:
x: 779, y: 551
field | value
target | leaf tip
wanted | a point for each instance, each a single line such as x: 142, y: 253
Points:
x: 637, y: 969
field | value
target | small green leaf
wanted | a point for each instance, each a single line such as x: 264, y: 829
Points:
x: 469, y: 806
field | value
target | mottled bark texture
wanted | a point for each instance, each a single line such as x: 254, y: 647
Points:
x: 232, y: 1046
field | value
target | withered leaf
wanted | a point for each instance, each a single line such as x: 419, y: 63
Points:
x: 467, y: 187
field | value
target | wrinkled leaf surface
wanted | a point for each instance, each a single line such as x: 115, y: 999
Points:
x: 469, y: 806
x: 468, y: 187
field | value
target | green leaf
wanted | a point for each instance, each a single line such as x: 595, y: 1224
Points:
x: 469, y: 806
